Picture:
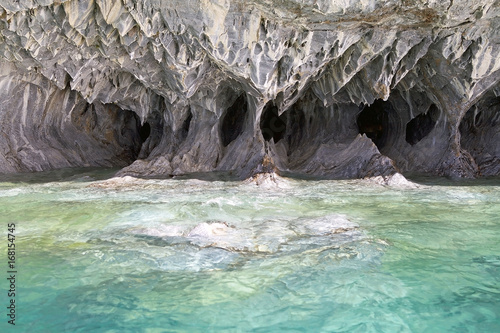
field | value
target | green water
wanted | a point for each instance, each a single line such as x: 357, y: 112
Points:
x: 120, y: 257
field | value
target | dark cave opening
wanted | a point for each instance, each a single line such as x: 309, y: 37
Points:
x: 480, y: 134
x: 144, y: 131
x: 420, y: 126
x: 485, y: 113
x: 374, y: 121
x: 233, y: 120
x: 297, y: 127
x: 150, y: 133
x: 272, y: 125
x: 184, y: 130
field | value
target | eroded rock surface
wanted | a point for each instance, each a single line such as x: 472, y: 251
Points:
x: 337, y: 89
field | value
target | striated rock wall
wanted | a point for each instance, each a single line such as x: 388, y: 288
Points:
x: 43, y: 127
x: 337, y: 89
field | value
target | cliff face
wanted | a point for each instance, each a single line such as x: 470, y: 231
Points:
x: 339, y: 89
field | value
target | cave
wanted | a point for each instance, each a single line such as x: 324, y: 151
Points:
x: 184, y: 130
x: 297, y: 128
x: 233, y: 120
x: 480, y: 134
x: 145, y: 131
x: 308, y: 90
x: 150, y: 133
x: 272, y: 125
x: 373, y: 121
x: 421, y: 126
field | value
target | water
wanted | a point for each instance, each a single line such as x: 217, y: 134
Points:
x: 190, y: 255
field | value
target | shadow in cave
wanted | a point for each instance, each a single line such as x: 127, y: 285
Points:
x: 233, y: 120
x: 272, y: 125
x: 145, y: 131
x: 79, y: 174
x: 183, y: 132
x: 149, y: 133
x: 296, y: 128
x: 374, y: 122
x: 422, y: 125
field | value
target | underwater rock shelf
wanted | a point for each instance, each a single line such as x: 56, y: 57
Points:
x: 331, y: 89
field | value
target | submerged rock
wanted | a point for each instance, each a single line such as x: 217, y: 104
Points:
x: 267, y: 180
x: 208, y: 230
x: 396, y: 180
x: 261, y: 238
x: 161, y: 230
x: 327, y: 225
x: 333, y: 89
x: 221, y: 235
x: 117, y: 182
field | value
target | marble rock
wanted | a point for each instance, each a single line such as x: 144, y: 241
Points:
x: 322, y: 88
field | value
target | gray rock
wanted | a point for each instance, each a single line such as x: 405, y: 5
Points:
x: 335, y: 89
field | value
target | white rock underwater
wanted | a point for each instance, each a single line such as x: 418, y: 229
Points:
x: 266, y: 237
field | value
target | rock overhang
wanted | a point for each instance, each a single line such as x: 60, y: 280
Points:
x: 320, y: 64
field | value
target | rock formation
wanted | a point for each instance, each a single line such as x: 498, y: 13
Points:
x: 329, y: 88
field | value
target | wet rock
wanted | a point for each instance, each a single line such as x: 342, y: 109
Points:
x: 117, y: 182
x: 396, y: 180
x: 263, y: 237
x: 327, y: 225
x: 161, y: 230
x: 208, y: 230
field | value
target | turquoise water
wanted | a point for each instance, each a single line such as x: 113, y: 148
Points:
x: 189, y: 255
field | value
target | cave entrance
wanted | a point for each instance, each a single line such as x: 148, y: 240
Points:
x: 272, y: 125
x: 145, y: 131
x: 296, y: 127
x: 186, y: 124
x: 233, y: 120
x: 420, y: 126
x: 149, y: 133
x: 373, y: 121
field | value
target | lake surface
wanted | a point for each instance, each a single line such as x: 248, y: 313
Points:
x: 202, y: 255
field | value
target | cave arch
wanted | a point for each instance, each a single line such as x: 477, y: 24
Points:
x: 373, y: 121
x: 422, y: 125
x: 272, y: 125
x: 233, y: 120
